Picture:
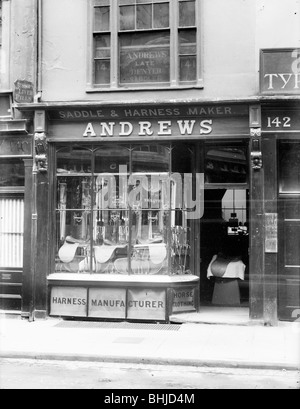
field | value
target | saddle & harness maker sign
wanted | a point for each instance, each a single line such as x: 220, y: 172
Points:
x: 147, y: 112
x: 188, y: 120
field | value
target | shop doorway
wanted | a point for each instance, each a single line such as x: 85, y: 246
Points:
x: 224, y: 229
x: 12, y: 182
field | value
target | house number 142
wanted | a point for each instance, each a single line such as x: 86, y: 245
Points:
x: 279, y: 122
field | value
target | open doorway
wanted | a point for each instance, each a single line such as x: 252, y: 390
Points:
x: 225, y: 248
x: 224, y: 243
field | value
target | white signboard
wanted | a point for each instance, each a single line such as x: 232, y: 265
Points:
x: 184, y: 300
x: 146, y: 304
x: 107, y: 303
x: 68, y: 301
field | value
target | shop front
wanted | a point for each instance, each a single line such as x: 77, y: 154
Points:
x: 15, y: 157
x: 145, y: 212
x: 281, y: 136
x: 281, y: 126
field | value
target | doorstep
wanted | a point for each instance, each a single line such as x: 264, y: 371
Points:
x: 10, y: 314
x: 215, y: 316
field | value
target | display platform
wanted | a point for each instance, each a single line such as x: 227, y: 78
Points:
x: 126, y: 297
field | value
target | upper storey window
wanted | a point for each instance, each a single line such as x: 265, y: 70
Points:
x: 146, y: 43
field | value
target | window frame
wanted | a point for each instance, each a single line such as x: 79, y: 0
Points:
x: 282, y: 193
x: 93, y: 149
x: 174, y: 52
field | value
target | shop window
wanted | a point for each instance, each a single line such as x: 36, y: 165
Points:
x: 119, y: 210
x: 235, y: 212
x: 289, y: 170
x: 11, y: 173
x: 226, y: 165
x: 158, y: 43
x: 12, y: 177
x: 5, y: 106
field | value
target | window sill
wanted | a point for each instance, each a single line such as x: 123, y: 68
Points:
x: 145, y: 89
x: 12, y: 190
x: 122, y: 279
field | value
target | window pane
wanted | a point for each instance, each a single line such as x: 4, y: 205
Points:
x: 161, y: 15
x: 144, y: 16
x: 289, y: 168
x: 188, y: 68
x: 151, y: 159
x: 5, y: 108
x: 150, y: 252
x: 181, y: 249
x: 102, y: 46
x: 12, y: 173
x: 187, y: 42
x: 144, y: 58
x: 74, y: 160
x: 111, y: 217
x: 102, y: 19
x: 102, y: 72
x: 102, y: 59
x: 127, y: 18
x: 110, y: 159
x: 73, y: 251
x: 187, y: 13
x: 111, y: 239
x: 226, y: 165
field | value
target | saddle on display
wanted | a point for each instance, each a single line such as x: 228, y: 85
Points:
x: 226, y: 267
x: 68, y: 250
x: 220, y: 265
x: 103, y: 254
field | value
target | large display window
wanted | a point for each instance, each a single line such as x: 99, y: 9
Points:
x: 122, y: 209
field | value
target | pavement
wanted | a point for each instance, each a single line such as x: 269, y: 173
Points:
x: 189, y: 344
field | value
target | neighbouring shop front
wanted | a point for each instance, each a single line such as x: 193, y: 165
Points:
x: 281, y: 128
x: 15, y: 156
x: 143, y: 212
x: 281, y: 135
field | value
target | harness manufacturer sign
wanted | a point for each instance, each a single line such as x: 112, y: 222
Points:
x: 69, y: 301
x: 146, y: 305
x: 107, y: 303
x: 115, y: 303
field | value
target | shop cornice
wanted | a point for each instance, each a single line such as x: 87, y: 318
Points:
x: 85, y: 104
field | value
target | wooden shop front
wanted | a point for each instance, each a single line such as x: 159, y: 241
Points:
x: 15, y: 160
x: 134, y: 203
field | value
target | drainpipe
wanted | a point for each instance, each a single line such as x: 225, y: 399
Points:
x: 33, y: 255
x: 34, y: 217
